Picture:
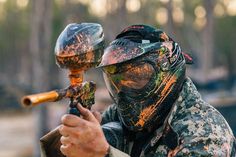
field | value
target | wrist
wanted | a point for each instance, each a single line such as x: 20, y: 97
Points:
x: 106, y: 150
x: 103, y: 151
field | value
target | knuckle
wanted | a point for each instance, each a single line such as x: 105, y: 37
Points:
x: 86, y: 111
x: 76, y: 134
x: 69, y: 120
x: 63, y: 150
x: 62, y: 142
x: 83, y: 124
x: 64, y: 118
x: 61, y: 128
x: 62, y: 139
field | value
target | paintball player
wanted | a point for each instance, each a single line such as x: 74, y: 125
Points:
x: 157, y: 110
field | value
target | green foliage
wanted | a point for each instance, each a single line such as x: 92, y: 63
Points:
x: 225, y: 41
x: 13, y: 35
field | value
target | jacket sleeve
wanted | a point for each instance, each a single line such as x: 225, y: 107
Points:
x: 110, y: 115
x: 113, y: 152
x: 208, y: 147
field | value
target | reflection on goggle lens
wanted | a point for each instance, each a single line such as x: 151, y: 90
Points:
x: 131, y: 76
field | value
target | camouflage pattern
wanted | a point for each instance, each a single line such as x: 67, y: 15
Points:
x: 192, y: 128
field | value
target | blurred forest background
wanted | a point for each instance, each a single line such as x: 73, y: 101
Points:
x: 29, y: 29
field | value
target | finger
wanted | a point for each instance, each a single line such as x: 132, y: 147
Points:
x: 87, y: 115
x: 70, y: 120
x: 97, y: 115
x: 65, y: 140
x: 64, y: 149
x: 73, y: 121
x: 68, y: 131
x: 63, y: 131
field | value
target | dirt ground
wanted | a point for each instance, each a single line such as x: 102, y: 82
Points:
x: 18, y: 130
x: 16, y: 135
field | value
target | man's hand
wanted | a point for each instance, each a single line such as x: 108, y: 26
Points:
x: 82, y: 137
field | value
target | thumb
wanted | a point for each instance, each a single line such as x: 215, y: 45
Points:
x: 87, y: 115
x: 97, y: 115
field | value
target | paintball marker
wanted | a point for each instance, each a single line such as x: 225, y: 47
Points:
x: 79, y: 47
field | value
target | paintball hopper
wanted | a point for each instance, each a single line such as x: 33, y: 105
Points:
x: 78, y: 48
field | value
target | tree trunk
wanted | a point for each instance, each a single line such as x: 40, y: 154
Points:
x: 115, y: 22
x: 208, y: 40
x: 170, y: 22
x: 40, y: 35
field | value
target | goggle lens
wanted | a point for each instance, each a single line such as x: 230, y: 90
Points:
x: 127, y: 77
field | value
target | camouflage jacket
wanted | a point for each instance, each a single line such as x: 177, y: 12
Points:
x: 192, y: 128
